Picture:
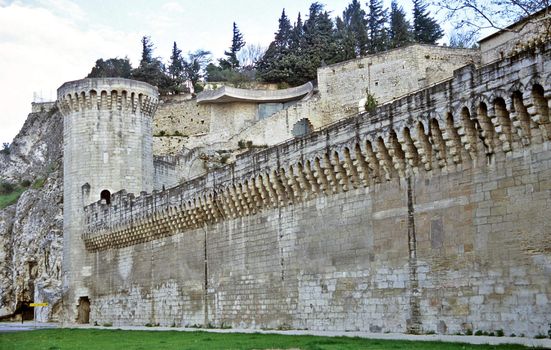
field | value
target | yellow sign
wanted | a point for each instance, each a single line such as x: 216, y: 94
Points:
x: 38, y: 304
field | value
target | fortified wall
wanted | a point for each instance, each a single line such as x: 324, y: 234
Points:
x: 388, y: 75
x: 219, y: 122
x: 429, y: 214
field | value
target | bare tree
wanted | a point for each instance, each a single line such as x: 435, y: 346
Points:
x: 249, y: 55
x: 463, y: 39
x: 477, y: 15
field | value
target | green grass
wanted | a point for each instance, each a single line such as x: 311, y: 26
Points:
x: 38, y: 183
x: 10, y: 198
x: 61, y: 339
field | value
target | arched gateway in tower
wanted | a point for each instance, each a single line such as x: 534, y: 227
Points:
x: 107, y: 139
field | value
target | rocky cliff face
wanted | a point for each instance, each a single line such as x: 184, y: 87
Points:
x: 33, y: 151
x: 31, y: 230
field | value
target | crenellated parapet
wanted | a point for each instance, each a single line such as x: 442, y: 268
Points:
x: 476, y: 116
x: 108, y: 94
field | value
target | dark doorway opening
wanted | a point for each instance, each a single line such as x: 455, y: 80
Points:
x: 105, y: 194
x: 26, y: 311
x: 83, y: 316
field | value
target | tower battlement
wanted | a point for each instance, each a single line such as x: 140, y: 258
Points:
x: 108, y: 94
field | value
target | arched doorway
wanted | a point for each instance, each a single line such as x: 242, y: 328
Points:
x: 105, y: 194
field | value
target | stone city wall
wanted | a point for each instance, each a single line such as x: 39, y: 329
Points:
x: 37, y: 107
x: 429, y: 214
x: 179, y: 115
x: 387, y: 75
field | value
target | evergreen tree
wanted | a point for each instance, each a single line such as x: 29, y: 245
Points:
x: 376, y: 31
x: 147, y: 50
x: 345, y: 41
x: 271, y: 67
x: 237, y: 43
x: 425, y: 29
x: 297, y: 34
x: 283, y: 34
x: 175, y: 70
x: 176, y: 67
x: 400, y: 29
x: 111, y: 68
x: 151, y: 69
x: 354, y: 20
x: 319, y: 46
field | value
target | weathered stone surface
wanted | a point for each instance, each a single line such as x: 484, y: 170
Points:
x: 107, y: 141
x: 382, y: 221
x: 38, y: 144
x: 31, y: 230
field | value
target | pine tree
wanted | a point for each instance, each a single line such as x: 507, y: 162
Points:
x: 151, y: 69
x: 354, y: 20
x: 400, y: 29
x: 272, y: 65
x: 147, y: 51
x: 237, y: 44
x: 318, y: 34
x: 345, y: 42
x: 283, y: 34
x: 425, y: 29
x: 376, y: 31
x: 297, y: 34
x: 176, y: 67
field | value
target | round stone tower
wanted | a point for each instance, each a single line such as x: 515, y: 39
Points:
x: 107, y: 139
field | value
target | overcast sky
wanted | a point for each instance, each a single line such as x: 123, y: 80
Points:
x: 44, y: 43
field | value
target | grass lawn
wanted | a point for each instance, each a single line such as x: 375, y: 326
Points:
x: 75, y: 339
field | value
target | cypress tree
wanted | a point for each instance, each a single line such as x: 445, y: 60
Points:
x: 345, y: 42
x: 376, y: 31
x: 272, y: 65
x: 354, y: 18
x: 237, y: 44
x: 147, y: 51
x: 176, y: 67
x: 151, y: 69
x: 319, y: 42
x: 425, y: 29
x: 297, y: 34
x: 283, y: 34
x: 400, y: 29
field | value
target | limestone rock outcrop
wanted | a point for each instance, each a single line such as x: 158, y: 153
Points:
x: 31, y: 234
x: 36, y: 146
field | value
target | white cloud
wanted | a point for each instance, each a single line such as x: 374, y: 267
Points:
x: 172, y: 7
x: 64, y: 8
x: 41, y: 49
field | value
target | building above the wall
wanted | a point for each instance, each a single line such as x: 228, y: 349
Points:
x: 388, y: 75
x: 529, y: 32
x: 230, y: 94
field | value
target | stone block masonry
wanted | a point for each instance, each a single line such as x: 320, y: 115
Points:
x: 430, y: 214
x: 388, y: 75
x: 107, y: 146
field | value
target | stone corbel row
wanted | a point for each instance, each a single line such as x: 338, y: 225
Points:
x: 492, y: 123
